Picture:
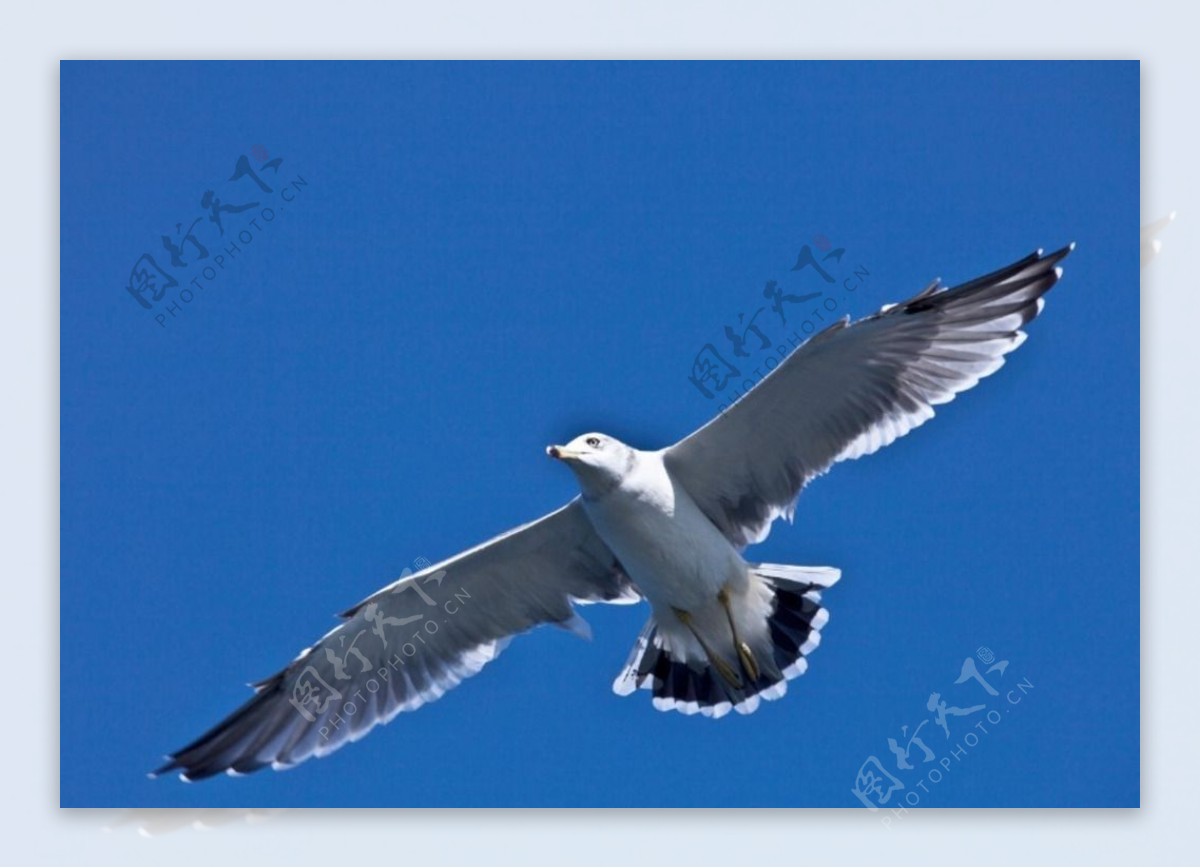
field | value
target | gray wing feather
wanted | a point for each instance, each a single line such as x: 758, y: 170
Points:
x: 411, y: 642
x: 853, y: 389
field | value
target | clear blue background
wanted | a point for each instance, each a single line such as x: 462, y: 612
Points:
x: 491, y: 257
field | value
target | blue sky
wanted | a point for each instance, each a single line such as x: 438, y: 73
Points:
x: 465, y: 262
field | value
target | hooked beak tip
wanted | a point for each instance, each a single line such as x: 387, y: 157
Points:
x: 553, y: 452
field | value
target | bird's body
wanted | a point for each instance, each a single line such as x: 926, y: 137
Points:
x: 670, y: 550
x: 668, y: 526
x: 710, y: 630
x: 675, y: 556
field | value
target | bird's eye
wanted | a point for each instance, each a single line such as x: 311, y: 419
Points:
x: 594, y: 442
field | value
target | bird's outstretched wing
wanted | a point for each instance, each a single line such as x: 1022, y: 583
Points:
x: 853, y: 389
x: 411, y: 642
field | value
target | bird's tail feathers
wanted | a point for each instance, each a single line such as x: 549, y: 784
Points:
x: 792, y: 632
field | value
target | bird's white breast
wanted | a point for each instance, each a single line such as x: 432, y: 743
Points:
x: 669, y: 548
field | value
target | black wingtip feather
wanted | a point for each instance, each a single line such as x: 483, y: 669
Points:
x: 205, y: 757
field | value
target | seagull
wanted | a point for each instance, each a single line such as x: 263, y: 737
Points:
x: 669, y: 526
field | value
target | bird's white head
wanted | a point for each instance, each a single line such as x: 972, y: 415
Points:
x: 599, y: 461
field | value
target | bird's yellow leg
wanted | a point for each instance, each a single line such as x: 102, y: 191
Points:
x: 749, y: 664
x: 718, y: 662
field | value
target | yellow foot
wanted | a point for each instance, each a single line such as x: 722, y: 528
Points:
x: 748, y: 661
x: 719, y: 663
x: 724, y: 669
x: 745, y: 655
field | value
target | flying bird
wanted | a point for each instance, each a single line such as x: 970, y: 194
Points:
x: 670, y: 526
